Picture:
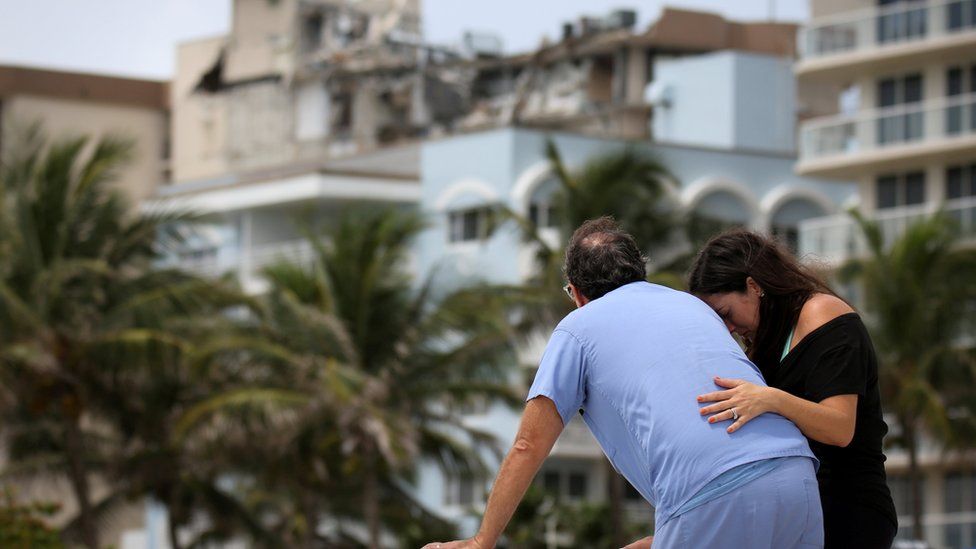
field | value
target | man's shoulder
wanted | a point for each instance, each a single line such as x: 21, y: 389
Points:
x: 639, y: 296
x: 638, y: 299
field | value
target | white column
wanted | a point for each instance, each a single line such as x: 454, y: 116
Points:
x: 246, y: 246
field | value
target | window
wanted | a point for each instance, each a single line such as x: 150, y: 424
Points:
x: 899, y: 21
x: 571, y: 484
x: 785, y: 222
x: 960, y: 112
x: 887, y: 191
x: 577, y: 485
x: 463, y: 490
x: 542, y: 211
x: 960, y: 181
x: 960, y: 500
x: 311, y: 31
x: 914, y: 188
x: 789, y: 236
x: 900, y: 190
x: 542, y: 214
x: 550, y: 482
x: 904, y: 124
x: 470, y: 224
x: 716, y: 212
x: 960, y: 14
x: 339, y: 111
x: 901, y: 494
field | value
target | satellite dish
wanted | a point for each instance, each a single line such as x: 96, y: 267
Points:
x: 659, y: 94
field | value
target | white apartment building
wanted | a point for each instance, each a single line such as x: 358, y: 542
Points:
x: 904, y: 77
x: 904, y: 74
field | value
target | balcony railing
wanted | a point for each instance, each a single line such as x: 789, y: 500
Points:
x: 248, y: 265
x: 836, y: 238
x: 874, y: 28
x: 872, y: 130
x: 295, y: 251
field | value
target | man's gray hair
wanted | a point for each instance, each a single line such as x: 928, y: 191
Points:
x: 602, y: 257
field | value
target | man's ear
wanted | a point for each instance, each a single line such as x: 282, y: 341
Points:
x: 578, y: 297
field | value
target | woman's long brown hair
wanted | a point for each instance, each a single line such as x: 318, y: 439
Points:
x: 729, y: 258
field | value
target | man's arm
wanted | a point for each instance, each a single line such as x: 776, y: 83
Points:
x: 643, y: 543
x: 538, y: 431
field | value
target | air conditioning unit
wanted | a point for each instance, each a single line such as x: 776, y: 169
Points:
x: 621, y: 19
x: 482, y: 44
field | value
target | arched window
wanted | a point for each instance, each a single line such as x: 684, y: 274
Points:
x: 470, y: 223
x: 785, y: 221
x: 717, y: 211
x: 542, y: 211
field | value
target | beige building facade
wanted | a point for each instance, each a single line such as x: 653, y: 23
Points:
x: 71, y: 104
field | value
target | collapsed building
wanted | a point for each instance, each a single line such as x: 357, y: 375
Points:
x: 305, y: 81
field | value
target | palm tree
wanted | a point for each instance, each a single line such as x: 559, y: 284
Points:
x: 24, y: 526
x: 628, y: 185
x: 85, y: 319
x: 370, y: 370
x: 916, y: 293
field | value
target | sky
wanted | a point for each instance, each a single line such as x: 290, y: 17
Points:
x: 137, y: 37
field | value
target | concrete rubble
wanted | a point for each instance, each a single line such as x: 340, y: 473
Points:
x: 357, y: 76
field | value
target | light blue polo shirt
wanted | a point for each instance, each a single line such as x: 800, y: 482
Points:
x: 633, y: 362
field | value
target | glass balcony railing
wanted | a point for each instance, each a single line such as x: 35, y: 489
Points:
x: 248, y: 265
x: 874, y: 28
x: 836, y: 238
x: 871, y: 130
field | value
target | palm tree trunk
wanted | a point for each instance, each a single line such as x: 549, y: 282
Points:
x: 371, y: 504
x: 174, y: 530
x: 311, y: 520
x: 78, y: 478
x: 616, y: 495
x: 914, y: 476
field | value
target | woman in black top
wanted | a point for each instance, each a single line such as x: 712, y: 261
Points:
x: 816, y: 355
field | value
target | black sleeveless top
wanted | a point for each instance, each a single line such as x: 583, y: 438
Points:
x: 838, y: 359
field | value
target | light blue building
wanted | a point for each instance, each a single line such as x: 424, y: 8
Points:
x: 723, y: 123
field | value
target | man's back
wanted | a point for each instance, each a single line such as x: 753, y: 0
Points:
x: 634, y: 360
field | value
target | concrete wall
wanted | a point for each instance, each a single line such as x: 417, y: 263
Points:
x: 259, y: 125
x: 262, y: 39
x: 199, y: 119
x: 764, y: 102
x: 728, y: 100
x: 822, y: 8
x: 70, y: 118
x: 699, y: 104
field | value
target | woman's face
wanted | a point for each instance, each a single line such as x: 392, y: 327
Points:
x: 739, y: 310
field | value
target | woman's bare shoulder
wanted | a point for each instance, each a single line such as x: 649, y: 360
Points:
x: 819, y: 310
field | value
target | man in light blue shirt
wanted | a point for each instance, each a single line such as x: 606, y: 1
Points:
x: 632, y: 359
